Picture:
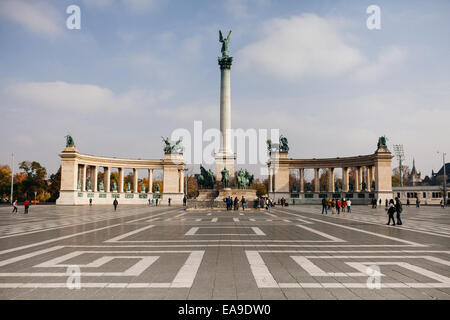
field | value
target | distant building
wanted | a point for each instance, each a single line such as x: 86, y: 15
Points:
x: 436, y: 177
x: 414, y: 177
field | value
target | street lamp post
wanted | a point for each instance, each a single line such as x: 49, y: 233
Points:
x: 185, y: 181
x: 12, y: 177
x: 35, y: 193
x: 399, y: 153
x: 445, y: 179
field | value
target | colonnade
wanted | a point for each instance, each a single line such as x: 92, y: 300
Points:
x: 80, y: 184
x: 373, y: 175
x: 88, y: 172
x: 364, y: 174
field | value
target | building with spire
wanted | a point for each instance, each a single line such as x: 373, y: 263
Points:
x: 414, y: 177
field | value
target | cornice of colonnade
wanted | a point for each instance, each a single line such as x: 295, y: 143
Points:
x: 282, y: 160
x: 71, y: 153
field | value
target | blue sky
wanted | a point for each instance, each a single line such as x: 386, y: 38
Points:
x: 139, y: 69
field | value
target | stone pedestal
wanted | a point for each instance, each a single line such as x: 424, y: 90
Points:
x: 225, y: 161
x: 249, y: 194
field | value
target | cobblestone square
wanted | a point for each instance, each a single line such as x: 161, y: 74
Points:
x: 295, y: 252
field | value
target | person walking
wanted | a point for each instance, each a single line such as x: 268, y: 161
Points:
x: 386, y: 204
x: 90, y: 202
x: 169, y: 201
x: 380, y: 202
x: 243, y: 203
x: 349, y: 206
x: 344, y: 205
x: 184, y: 202
x: 391, y: 212
x: 417, y: 202
x: 15, y: 207
x: 442, y: 203
x: 236, y: 203
x: 157, y: 200
x: 338, y: 206
x: 407, y: 202
x: 268, y: 204
x: 26, y: 204
x: 324, y: 206
x: 115, y: 204
x: 398, y: 209
x: 333, y: 206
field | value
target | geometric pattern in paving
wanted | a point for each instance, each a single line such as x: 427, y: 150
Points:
x: 142, y: 252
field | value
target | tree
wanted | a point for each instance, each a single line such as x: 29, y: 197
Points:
x: 260, y: 187
x: 192, y: 186
x: 35, y: 180
x: 54, y: 185
x: 5, y: 182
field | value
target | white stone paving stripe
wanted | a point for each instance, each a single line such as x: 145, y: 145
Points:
x: 261, y: 273
x: 191, y: 231
x: 126, y: 235
x: 55, y: 239
x: 258, y: 231
x: 323, y: 234
x: 186, y: 275
x: 29, y: 255
x: 371, y: 233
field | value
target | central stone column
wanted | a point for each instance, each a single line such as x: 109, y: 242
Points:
x: 225, y: 157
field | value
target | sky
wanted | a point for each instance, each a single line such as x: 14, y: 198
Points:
x: 140, y: 69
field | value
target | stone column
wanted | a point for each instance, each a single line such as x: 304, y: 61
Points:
x: 358, y: 179
x: 135, y: 180
x: 270, y: 180
x: 373, y: 176
x: 225, y: 104
x: 150, y: 180
x: 80, y: 176
x: 83, y: 181
x: 316, y: 180
x: 95, y: 180
x: 345, y: 179
x: 302, y: 180
x: 181, y: 187
x: 107, y: 179
x: 120, y: 186
x: 331, y: 180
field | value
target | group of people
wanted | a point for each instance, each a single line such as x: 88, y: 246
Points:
x: 408, y: 202
x: 394, y: 208
x: 235, y: 203
x: 26, y: 205
x: 336, y: 205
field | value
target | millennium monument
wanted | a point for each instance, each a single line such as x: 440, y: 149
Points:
x: 80, y: 172
x: 225, y: 158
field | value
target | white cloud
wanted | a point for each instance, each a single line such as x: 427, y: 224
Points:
x: 387, y: 59
x: 80, y: 98
x: 305, y: 45
x: 36, y: 17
